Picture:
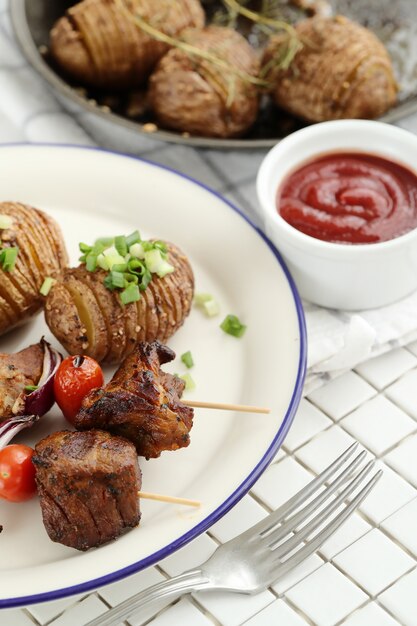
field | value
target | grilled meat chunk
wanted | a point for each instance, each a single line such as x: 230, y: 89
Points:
x: 16, y: 372
x: 87, y: 484
x: 141, y: 403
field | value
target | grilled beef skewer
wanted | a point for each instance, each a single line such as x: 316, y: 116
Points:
x: 141, y: 403
x: 88, y: 486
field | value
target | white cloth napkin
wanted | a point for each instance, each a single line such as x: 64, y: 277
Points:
x: 338, y: 341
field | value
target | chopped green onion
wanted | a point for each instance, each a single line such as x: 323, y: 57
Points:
x: 156, y: 264
x: 206, y: 302
x: 82, y: 258
x: 91, y: 263
x: 211, y: 308
x: 137, y: 251
x: 117, y: 279
x: 233, y: 326
x: 113, y: 257
x: 122, y: 267
x: 46, y: 285
x: 187, y: 359
x: 105, y: 242
x: 6, y: 221
x: 145, y: 280
x: 131, y: 278
x: 8, y: 258
x: 133, y: 238
x: 161, y: 245
x: 130, y: 294
x: 133, y: 265
x: 102, y: 262
x: 31, y: 387
x: 201, y: 298
x: 189, y: 382
x: 108, y: 283
x: 121, y: 245
x: 97, y: 249
x: 85, y: 248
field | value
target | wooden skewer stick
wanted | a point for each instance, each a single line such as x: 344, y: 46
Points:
x: 171, y: 499
x: 225, y: 407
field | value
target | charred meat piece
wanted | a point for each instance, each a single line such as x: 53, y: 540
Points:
x: 87, y: 484
x: 16, y: 372
x: 141, y: 403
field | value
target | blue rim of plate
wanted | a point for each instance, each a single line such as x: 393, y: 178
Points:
x: 258, y: 469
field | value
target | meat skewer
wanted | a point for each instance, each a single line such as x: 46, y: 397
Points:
x: 242, y: 408
x: 141, y: 403
x: 88, y: 485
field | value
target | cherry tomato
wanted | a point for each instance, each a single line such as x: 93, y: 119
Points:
x: 76, y: 376
x: 17, y: 473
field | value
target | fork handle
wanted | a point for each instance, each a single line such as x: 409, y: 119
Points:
x: 188, y: 581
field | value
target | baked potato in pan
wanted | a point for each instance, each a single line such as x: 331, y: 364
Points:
x: 192, y: 94
x: 87, y: 318
x: 342, y: 71
x: 97, y: 44
x: 41, y: 254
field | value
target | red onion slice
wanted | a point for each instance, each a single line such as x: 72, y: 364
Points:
x: 10, y: 427
x: 39, y: 402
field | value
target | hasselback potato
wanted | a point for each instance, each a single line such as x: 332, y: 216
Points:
x: 88, y: 318
x: 97, y: 44
x: 192, y: 94
x: 41, y: 253
x: 342, y: 71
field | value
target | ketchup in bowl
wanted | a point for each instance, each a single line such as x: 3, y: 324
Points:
x: 350, y: 198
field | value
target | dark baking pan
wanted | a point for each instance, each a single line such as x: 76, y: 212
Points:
x: 395, y: 23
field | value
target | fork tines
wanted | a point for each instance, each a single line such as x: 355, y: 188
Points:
x: 300, y: 526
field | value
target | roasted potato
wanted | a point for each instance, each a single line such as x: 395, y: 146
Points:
x: 342, y: 71
x: 41, y: 253
x: 98, y: 45
x: 191, y: 94
x: 89, y: 319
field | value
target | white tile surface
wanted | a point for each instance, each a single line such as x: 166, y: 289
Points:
x: 123, y: 589
x: 342, y: 395
x: 385, y: 369
x: 403, y: 393
x: 379, y: 424
x: 374, y: 561
x: 233, y: 609
x: 347, y: 534
x: 323, y: 449
x: 81, y: 613
x: 326, y: 596
x: 404, y: 459
x: 401, y: 599
x: 403, y: 526
x: 15, y: 617
x: 370, y: 615
x: 389, y: 494
x: 277, y: 614
x: 297, y: 574
x: 45, y: 611
x: 181, y: 613
x: 281, y: 481
x: 308, y: 422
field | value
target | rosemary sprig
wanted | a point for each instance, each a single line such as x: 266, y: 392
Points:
x: 188, y: 48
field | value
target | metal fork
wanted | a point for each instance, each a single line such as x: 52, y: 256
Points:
x: 258, y: 557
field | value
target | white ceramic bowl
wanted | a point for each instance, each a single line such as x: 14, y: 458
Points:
x: 351, y: 277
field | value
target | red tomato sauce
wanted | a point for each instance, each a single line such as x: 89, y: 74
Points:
x: 350, y: 198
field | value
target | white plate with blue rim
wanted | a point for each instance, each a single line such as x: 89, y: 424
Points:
x: 93, y: 193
